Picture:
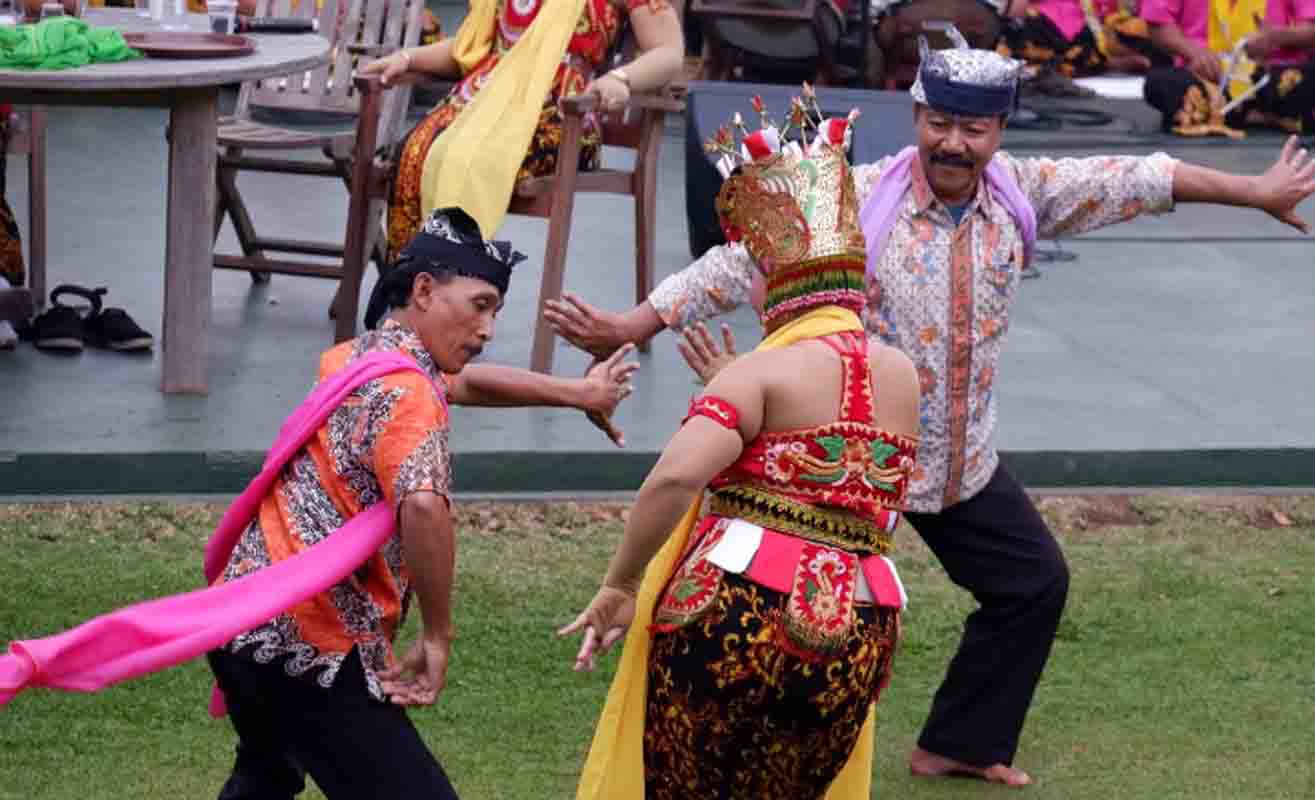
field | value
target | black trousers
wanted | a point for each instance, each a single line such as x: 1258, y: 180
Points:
x: 996, y: 546
x: 352, y: 745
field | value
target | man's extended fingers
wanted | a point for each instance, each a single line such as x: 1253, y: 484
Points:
x: 706, y: 336
x: 1289, y: 148
x: 1300, y: 159
x: 687, y: 353
x: 728, y: 338
x: 613, y: 432
x: 586, y: 311
x: 621, y: 352
x: 698, y: 342
x: 624, y: 371
x: 562, y: 315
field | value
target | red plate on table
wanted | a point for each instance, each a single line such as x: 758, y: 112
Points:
x: 186, y: 44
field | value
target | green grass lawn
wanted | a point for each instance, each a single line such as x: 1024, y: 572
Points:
x: 1185, y: 666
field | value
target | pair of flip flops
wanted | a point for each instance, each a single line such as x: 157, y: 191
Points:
x: 68, y: 328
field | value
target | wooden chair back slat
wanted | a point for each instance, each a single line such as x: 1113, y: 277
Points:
x: 402, y: 29
x: 354, y: 22
x: 371, y: 26
x: 272, y: 91
x: 328, y: 16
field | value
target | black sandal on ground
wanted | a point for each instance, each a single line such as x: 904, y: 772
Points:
x: 113, y: 329
x: 62, y: 327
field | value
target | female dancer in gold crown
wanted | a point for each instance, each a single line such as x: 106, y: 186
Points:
x: 764, y: 629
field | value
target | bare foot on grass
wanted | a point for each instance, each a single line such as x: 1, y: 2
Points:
x: 926, y: 764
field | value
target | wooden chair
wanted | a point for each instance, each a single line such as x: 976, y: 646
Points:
x: 30, y: 140
x: 638, y: 126
x: 323, y: 97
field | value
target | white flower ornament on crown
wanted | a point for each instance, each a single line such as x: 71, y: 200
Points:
x: 769, y: 139
x: 788, y: 198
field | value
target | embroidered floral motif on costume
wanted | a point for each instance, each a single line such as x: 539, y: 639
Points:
x: 693, y: 587
x: 820, y: 610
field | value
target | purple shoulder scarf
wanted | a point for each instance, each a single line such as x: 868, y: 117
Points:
x: 879, y: 213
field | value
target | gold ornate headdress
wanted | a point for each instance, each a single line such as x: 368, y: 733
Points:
x: 791, y: 202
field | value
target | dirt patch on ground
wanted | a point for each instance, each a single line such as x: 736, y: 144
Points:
x: 529, y: 518
x: 1091, y: 512
x: 1075, y: 513
x: 1255, y: 511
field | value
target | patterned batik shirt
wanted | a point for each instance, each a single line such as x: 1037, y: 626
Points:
x: 387, y: 441
x: 943, y: 293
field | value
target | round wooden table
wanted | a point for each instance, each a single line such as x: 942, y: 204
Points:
x: 189, y: 88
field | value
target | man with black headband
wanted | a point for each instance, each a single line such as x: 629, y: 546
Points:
x: 318, y: 688
x: 950, y: 225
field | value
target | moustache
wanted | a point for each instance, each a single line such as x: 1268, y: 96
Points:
x: 953, y: 161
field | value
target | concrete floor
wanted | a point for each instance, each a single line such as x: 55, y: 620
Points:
x: 1183, y: 343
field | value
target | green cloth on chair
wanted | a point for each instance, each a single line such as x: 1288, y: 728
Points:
x: 60, y: 43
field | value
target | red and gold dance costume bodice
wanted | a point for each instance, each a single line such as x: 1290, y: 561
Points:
x: 807, y: 512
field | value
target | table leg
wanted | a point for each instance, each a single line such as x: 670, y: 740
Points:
x: 36, y: 204
x: 189, y: 244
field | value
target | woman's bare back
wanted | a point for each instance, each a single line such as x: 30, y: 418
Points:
x: 802, y: 387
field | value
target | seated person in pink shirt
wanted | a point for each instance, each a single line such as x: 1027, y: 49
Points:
x: 1059, y: 34
x: 1282, y: 47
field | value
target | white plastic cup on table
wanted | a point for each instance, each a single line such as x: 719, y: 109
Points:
x: 175, y: 16
x: 49, y: 10
x: 223, y: 15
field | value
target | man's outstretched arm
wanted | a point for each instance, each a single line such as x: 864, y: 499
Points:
x: 1277, y: 192
x: 714, y: 284
x: 1076, y: 195
x: 598, y: 393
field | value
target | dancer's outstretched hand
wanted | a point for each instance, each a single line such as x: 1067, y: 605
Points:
x: 702, y: 353
x: 1283, y: 186
x: 609, y: 383
x: 604, y: 622
x: 588, y: 327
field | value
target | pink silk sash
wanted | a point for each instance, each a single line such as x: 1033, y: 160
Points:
x: 157, y: 634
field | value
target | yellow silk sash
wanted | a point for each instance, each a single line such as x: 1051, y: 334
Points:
x: 473, y: 164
